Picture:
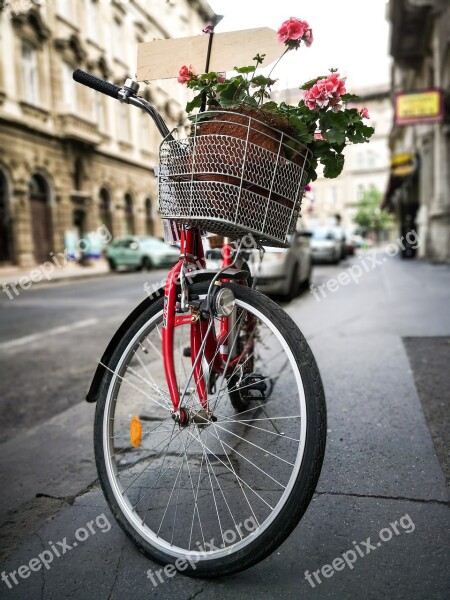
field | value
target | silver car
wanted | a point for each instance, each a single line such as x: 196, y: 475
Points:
x: 326, y: 245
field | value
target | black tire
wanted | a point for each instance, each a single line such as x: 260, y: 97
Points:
x: 306, y: 480
x: 307, y: 282
x: 147, y: 264
x: 294, y: 287
x: 112, y: 264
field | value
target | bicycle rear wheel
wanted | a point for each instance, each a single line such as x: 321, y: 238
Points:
x: 214, y: 499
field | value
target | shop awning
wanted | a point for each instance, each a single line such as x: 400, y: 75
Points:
x: 403, y: 168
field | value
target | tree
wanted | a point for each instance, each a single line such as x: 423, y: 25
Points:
x: 369, y: 216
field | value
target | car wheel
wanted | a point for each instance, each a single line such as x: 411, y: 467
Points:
x: 112, y: 264
x: 307, y: 282
x: 294, y: 287
x: 147, y: 263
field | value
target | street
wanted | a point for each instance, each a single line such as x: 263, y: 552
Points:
x: 380, y: 467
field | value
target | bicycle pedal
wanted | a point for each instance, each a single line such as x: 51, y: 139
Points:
x: 254, y: 382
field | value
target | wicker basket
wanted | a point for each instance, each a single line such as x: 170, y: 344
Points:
x: 233, y: 176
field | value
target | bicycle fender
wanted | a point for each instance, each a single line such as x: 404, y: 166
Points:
x: 101, y: 369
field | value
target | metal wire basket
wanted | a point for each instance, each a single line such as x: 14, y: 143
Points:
x: 234, y: 175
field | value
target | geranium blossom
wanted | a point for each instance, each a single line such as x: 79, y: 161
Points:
x: 364, y: 113
x: 293, y: 31
x: 325, y: 93
x: 185, y: 74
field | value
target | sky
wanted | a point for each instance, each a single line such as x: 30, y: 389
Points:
x: 350, y: 35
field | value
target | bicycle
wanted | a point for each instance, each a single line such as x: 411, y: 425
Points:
x: 210, y: 421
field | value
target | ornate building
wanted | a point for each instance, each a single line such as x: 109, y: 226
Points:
x: 72, y: 159
x: 419, y: 186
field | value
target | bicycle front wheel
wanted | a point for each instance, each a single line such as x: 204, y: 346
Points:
x: 212, y: 499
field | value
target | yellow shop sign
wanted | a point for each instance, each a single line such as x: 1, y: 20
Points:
x: 418, y: 107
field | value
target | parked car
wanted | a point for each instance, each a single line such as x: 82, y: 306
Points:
x: 284, y: 270
x: 326, y: 245
x: 140, y: 252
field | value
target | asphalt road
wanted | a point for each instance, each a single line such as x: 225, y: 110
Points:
x: 380, y: 467
x: 51, y: 338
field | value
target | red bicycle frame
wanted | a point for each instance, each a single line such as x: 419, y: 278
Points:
x: 215, y: 347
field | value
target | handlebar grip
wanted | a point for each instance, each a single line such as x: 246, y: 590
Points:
x: 105, y: 87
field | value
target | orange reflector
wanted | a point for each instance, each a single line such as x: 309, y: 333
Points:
x: 135, y: 431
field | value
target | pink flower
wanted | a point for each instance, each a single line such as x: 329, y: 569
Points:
x: 221, y: 77
x: 293, y: 31
x: 308, y: 37
x: 318, y: 136
x: 364, y: 113
x: 307, y: 188
x: 325, y: 93
x: 186, y: 74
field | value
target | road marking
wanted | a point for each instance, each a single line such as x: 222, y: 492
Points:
x: 29, y: 339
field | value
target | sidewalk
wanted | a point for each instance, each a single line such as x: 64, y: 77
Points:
x: 50, y: 273
x: 380, y: 467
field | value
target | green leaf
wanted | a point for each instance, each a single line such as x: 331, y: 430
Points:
x: 194, y: 103
x: 349, y: 97
x: 335, y: 136
x: 333, y: 164
x: 259, y: 58
x: 229, y: 94
x: 262, y: 80
x: 308, y: 85
x: 249, y: 69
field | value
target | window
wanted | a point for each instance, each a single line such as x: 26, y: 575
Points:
x: 332, y: 196
x: 124, y: 123
x: 92, y: 19
x: 144, y: 131
x: 99, y: 111
x: 360, y: 160
x: 360, y: 192
x: 69, y: 89
x: 371, y: 159
x: 117, y: 38
x: 129, y: 216
x: 30, y: 73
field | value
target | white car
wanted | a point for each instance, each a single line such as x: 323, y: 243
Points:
x: 284, y: 270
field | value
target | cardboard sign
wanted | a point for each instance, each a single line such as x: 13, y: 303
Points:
x: 162, y: 59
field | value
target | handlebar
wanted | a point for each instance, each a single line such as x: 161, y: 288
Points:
x: 105, y: 87
x: 126, y: 94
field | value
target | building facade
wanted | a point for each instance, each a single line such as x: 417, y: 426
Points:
x: 419, y: 186
x: 72, y: 159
